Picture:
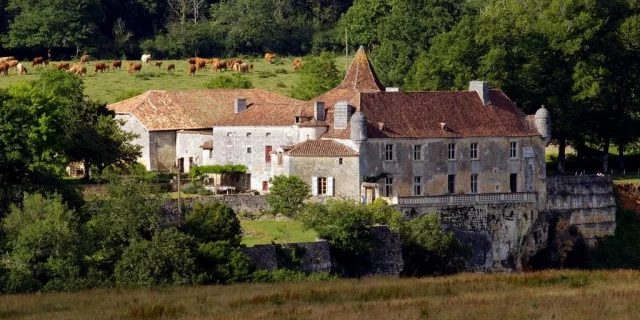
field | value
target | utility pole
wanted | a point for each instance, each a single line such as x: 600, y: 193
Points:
x: 179, y: 199
x: 346, y: 47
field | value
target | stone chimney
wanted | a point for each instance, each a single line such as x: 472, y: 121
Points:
x: 239, y: 105
x: 392, y: 89
x: 482, y: 88
x: 318, y: 111
x: 341, y: 115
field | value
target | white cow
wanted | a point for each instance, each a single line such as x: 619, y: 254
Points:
x: 21, y: 69
x: 146, y: 58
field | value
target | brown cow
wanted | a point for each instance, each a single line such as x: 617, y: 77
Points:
x: 192, y: 60
x: 37, y: 61
x: 134, y: 67
x: 84, y: 59
x: 171, y: 67
x: 269, y: 57
x: 231, y: 62
x: 201, y: 64
x: 4, y: 69
x: 297, y: 63
x: 5, y: 59
x: 244, y: 68
x: 117, y: 64
x: 80, y: 70
x: 192, y: 70
x: 100, y: 66
x: 219, y: 66
x: 62, y: 65
x: 12, y: 63
x: 158, y: 64
x: 251, y: 67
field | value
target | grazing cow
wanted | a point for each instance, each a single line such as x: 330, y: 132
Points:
x: 201, y: 65
x: 37, y: 61
x: 192, y: 70
x: 21, y: 68
x: 134, y: 67
x: 146, y: 58
x: 4, y: 69
x: 236, y: 67
x: 62, y: 65
x: 269, y: 57
x: 12, y: 63
x: 5, y: 59
x: 100, y: 66
x: 117, y: 64
x: 171, y: 67
x: 297, y: 63
x: 191, y: 60
x: 251, y: 67
x: 221, y: 64
x: 244, y: 68
x: 84, y: 59
x: 158, y: 64
x: 80, y: 70
x: 232, y: 62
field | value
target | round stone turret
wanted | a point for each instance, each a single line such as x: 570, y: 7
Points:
x: 543, y: 123
x: 358, y: 127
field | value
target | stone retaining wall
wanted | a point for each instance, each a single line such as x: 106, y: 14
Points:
x: 239, y: 203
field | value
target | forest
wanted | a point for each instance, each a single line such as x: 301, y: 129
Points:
x: 579, y: 58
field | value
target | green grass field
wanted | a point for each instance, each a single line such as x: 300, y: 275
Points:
x: 265, y: 231
x: 278, y: 77
x: 546, y: 295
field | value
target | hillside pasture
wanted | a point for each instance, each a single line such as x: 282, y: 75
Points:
x: 107, y: 87
x: 545, y: 295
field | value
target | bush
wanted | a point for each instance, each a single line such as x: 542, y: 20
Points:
x: 127, y: 94
x: 197, y: 171
x: 287, y: 194
x: 229, y: 82
x: 168, y: 258
x: 281, y: 71
x: 223, y: 262
x: 317, y: 76
x: 428, y: 250
x: 211, y: 222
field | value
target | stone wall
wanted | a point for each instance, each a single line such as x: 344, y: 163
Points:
x: 162, y: 150
x: 238, y: 203
x: 188, y: 146
x: 587, y: 201
x: 131, y: 124
x: 346, y: 175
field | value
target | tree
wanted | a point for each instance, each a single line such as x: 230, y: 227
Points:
x: 317, y: 76
x: 169, y: 258
x: 211, y: 222
x: 361, y: 21
x: 229, y: 82
x: 43, y: 245
x: 428, y: 250
x: 287, y: 194
x: 52, y: 23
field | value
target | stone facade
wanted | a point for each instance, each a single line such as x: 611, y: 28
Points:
x: 189, y: 147
x: 131, y: 124
x: 344, y: 171
x: 162, y: 150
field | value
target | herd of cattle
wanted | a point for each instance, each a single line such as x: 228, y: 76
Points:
x: 195, y: 64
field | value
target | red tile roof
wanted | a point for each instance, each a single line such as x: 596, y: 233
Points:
x: 265, y: 115
x: 194, y: 109
x: 321, y: 148
x: 420, y: 114
x: 360, y: 75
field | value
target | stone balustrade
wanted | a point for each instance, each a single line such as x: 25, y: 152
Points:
x: 467, y: 199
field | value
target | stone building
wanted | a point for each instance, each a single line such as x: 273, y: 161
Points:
x: 174, y: 126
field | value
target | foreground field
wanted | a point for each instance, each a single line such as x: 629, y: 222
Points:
x: 106, y: 87
x: 547, y: 295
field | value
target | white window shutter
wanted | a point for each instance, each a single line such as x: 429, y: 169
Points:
x: 330, y: 186
x: 314, y: 186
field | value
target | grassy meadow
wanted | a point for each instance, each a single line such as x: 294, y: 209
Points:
x: 106, y: 87
x: 545, y: 295
x: 266, y: 231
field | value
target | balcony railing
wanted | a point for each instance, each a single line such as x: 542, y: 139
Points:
x: 467, y: 199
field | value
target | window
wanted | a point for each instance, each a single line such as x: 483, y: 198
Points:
x: 322, y: 185
x: 190, y: 162
x: 248, y: 134
x: 513, y: 182
x: 388, y: 187
x: 451, y: 183
x: 267, y: 154
x: 211, y: 154
x: 513, y: 149
x: 268, y: 134
x: 417, y: 186
x: 248, y: 150
x: 417, y: 152
x: 265, y: 185
x: 388, y: 152
x: 474, y: 151
x: 474, y: 183
x: 229, y: 134
x: 297, y: 119
x: 452, y: 151
x: 340, y: 161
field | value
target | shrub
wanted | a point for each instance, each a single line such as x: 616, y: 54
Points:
x: 211, y: 222
x: 229, y: 82
x: 428, y: 250
x: 223, y: 262
x: 197, y: 171
x: 317, y: 76
x: 281, y: 71
x: 281, y: 85
x: 168, y: 258
x: 127, y: 94
x: 287, y: 194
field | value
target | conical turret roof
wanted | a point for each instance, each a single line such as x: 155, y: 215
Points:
x: 360, y: 75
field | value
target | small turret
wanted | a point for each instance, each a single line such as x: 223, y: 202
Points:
x: 358, y: 128
x: 543, y: 123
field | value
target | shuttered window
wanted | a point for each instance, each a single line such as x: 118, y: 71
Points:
x: 322, y: 186
x: 267, y: 154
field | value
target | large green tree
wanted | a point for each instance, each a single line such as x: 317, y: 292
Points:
x: 47, y: 24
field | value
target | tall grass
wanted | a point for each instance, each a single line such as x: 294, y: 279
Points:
x: 543, y: 295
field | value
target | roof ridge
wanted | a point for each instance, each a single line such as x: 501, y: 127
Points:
x: 356, y: 80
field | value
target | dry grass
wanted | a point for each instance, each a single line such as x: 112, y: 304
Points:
x: 547, y: 295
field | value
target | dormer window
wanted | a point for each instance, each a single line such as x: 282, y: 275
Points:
x: 297, y: 119
x: 248, y: 134
x: 229, y: 134
x: 268, y: 134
